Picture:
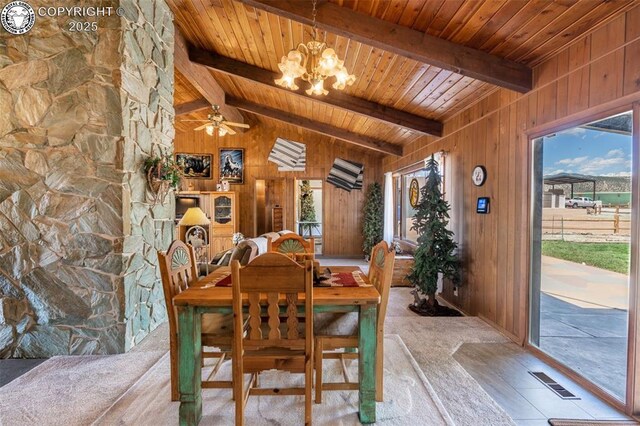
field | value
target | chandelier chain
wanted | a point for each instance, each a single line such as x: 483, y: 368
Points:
x: 313, y: 16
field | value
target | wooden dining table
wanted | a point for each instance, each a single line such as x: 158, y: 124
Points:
x: 205, y: 297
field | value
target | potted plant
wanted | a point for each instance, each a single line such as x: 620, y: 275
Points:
x: 435, y: 255
x: 163, y: 173
x: 373, y: 222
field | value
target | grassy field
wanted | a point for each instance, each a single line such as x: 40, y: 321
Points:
x: 611, y: 256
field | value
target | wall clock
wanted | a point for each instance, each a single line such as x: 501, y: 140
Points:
x: 414, y: 193
x: 479, y: 175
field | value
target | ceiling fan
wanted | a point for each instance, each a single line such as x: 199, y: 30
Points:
x: 217, y: 123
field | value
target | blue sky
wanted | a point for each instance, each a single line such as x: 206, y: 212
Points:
x: 588, y: 152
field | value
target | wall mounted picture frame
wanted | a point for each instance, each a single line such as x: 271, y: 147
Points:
x: 195, y: 166
x: 232, y: 165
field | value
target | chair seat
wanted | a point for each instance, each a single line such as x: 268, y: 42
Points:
x: 335, y: 324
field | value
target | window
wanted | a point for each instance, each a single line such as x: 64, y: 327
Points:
x: 404, y: 212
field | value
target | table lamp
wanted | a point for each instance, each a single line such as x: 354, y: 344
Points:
x: 196, y: 235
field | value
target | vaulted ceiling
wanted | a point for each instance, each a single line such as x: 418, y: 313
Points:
x: 456, y: 53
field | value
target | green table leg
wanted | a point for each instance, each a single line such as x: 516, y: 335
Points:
x: 189, y: 353
x: 367, y: 363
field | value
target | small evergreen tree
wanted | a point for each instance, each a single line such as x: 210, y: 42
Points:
x: 307, y: 207
x: 373, y: 223
x: 436, y: 247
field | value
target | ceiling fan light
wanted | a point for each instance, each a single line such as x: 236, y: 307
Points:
x: 209, y: 130
x: 222, y: 131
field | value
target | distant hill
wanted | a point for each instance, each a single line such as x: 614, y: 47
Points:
x: 603, y: 184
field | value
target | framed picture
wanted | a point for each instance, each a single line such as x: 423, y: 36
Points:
x: 195, y: 166
x: 414, y: 193
x: 232, y: 165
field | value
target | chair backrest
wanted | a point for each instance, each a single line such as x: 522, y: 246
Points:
x: 281, y: 279
x: 293, y: 245
x: 380, y: 274
x: 178, y: 270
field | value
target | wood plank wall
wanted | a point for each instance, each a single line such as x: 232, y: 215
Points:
x: 599, y: 73
x: 342, y: 210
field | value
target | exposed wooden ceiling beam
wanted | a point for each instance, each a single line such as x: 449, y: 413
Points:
x: 335, y: 98
x: 316, y: 126
x: 202, y: 80
x: 193, y: 106
x: 405, y: 42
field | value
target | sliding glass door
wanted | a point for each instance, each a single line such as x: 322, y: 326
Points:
x: 581, y: 249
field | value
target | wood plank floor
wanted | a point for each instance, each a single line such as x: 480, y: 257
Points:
x: 502, y: 371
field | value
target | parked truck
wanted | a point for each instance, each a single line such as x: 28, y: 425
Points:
x: 584, y: 202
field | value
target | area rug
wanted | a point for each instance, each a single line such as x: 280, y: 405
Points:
x: 409, y: 398
x: 432, y: 343
x: 72, y: 390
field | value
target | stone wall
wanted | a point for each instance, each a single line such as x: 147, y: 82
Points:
x: 78, y: 112
x: 147, y: 114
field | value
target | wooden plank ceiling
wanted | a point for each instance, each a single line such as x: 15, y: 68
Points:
x: 523, y: 31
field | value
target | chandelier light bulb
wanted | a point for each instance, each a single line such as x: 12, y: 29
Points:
x: 287, y: 81
x: 317, y: 88
x: 343, y: 79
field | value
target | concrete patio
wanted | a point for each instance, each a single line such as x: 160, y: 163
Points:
x: 583, y: 321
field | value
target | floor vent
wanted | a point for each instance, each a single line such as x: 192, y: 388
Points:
x: 553, y: 385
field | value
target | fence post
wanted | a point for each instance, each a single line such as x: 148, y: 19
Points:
x: 616, y: 221
x: 562, y: 227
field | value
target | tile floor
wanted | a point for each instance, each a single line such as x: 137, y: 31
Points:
x: 502, y: 371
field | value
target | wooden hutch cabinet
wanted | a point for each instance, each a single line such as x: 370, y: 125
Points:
x: 222, y: 209
x: 224, y: 220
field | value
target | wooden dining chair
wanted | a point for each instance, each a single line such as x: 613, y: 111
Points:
x: 178, y: 271
x: 340, y: 331
x: 294, y: 246
x: 272, y: 282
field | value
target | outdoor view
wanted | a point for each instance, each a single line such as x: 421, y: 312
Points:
x: 309, y: 210
x: 583, y: 270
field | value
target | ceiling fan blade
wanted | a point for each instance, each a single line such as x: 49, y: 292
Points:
x: 231, y: 123
x: 202, y: 127
x: 228, y: 129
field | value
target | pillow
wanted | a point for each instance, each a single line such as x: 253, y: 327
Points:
x: 261, y: 244
x: 218, y: 256
x: 225, y: 259
x: 274, y: 235
x: 244, y: 252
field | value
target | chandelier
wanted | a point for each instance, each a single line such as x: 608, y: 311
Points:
x: 313, y: 62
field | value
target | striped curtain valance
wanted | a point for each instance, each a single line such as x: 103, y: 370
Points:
x: 347, y: 175
x: 288, y: 155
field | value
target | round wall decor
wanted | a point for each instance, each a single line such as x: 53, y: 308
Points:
x: 479, y: 175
